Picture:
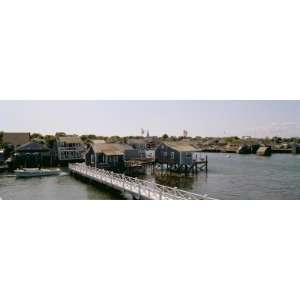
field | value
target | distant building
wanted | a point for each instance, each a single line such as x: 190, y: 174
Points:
x: 175, y: 153
x: 246, y: 137
x: 152, y: 142
x: 69, y: 148
x: 16, y: 139
x: 107, y: 155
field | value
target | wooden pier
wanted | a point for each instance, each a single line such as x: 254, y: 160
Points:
x: 139, y: 189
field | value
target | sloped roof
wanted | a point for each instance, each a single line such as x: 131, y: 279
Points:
x: 136, y: 141
x: 98, y: 141
x: 32, y: 146
x: 180, y: 146
x: 16, y: 138
x: 70, y: 139
x: 110, y: 148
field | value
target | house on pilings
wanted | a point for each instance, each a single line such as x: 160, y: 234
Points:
x: 180, y: 157
x: 33, y: 155
x: 109, y: 156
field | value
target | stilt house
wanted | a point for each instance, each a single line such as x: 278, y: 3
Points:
x: 175, y: 153
x: 107, y: 155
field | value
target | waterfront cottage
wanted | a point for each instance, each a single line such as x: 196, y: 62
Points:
x: 16, y: 139
x: 33, y: 155
x: 107, y: 155
x: 69, y: 148
x: 175, y: 153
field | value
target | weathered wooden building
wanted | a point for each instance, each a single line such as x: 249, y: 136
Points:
x: 69, y: 148
x: 107, y: 155
x: 32, y: 155
x: 179, y: 156
x: 16, y: 139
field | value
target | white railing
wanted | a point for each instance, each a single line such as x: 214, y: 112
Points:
x: 140, y: 188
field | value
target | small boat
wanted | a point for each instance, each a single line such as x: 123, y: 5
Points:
x: 35, y: 172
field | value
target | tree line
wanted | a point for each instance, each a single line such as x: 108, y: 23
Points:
x: 50, y: 139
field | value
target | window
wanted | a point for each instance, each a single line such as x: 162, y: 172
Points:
x: 172, y: 155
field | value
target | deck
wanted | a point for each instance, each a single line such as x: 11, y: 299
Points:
x: 140, y: 189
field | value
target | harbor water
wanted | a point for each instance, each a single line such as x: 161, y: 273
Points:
x: 229, y: 177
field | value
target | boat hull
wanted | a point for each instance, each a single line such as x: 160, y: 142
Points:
x: 37, y: 173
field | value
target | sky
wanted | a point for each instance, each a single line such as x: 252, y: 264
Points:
x: 123, y: 118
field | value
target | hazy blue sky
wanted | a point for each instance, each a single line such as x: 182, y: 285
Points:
x: 204, y: 118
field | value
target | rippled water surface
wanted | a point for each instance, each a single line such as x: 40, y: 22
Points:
x: 234, y: 177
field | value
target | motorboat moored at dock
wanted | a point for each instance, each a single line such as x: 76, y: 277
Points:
x: 35, y: 172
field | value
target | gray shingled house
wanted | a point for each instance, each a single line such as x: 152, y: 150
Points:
x: 107, y: 155
x: 179, y: 157
x: 69, y: 148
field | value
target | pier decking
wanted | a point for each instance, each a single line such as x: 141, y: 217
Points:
x: 140, y: 189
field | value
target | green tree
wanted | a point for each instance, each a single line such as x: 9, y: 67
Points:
x: 36, y: 136
x: 232, y: 139
x: 92, y: 137
x: 49, y: 140
x: 164, y: 136
x: 84, y: 138
x: 114, y: 139
x: 61, y: 134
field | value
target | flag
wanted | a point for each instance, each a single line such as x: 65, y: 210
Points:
x: 185, y: 133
